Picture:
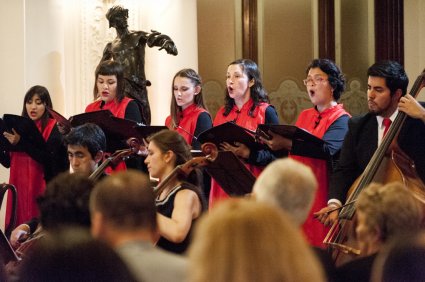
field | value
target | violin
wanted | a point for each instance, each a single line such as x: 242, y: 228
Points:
x: 388, y: 163
x: 209, y: 149
x: 116, y: 157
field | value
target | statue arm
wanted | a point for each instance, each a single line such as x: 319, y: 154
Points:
x: 163, y: 41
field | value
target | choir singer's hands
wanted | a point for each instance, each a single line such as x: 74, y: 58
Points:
x: 277, y: 142
x: 13, y: 138
x: 240, y: 149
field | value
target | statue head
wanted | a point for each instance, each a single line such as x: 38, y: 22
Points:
x: 117, y: 16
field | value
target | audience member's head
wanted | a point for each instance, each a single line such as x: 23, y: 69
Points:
x: 72, y: 255
x: 384, y: 212
x: 289, y: 185
x: 123, y: 203
x: 86, y: 144
x: 242, y: 240
x: 66, y: 201
x: 403, y: 259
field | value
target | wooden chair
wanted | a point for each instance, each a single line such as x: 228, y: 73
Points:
x: 12, y: 222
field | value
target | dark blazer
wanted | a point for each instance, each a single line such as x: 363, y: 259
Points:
x: 360, y: 144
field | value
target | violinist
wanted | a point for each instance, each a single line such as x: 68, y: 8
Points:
x: 85, y: 144
x: 179, y: 200
x: 384, y: 212
x: 387, y: 84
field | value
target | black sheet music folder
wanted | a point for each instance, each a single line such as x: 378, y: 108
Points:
x: 289, y: 131
x: 229, y: 132
x: 232, y: 175
x: 25, y: 127
x: 117, y: 130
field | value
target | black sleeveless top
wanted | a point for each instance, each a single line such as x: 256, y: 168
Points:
x: 166, y: 207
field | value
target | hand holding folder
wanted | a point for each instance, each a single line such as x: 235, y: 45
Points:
x: 231, y: 133
x: 288, y: 131
x: 25, y: 127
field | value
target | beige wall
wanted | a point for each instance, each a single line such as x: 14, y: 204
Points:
x: 12, y: 55
x: 414, y: 40
x: 287, y: 41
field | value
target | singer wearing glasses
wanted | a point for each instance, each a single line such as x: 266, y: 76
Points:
x: 327, y: 120
x: 188, y: 115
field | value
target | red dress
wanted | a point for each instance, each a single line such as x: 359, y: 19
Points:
x: 240, y: 117
x: 188, y: 122
x: 118, y: 110
x: 27, y: 175
x: 313, y: 229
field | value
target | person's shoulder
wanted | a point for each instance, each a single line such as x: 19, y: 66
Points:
x: 360, y: 119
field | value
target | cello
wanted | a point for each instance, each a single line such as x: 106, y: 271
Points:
x: 388, y: 163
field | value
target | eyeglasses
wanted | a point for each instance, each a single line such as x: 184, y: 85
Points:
x: 315, y: 80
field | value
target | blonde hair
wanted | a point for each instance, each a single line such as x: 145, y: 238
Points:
x: 391, y: 208
x: 288, y: 184
x: 243, y: 240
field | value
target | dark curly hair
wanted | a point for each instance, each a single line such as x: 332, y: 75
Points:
x: 335, y: 77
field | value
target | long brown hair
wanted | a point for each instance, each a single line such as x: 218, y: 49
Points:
x: 198, y: 100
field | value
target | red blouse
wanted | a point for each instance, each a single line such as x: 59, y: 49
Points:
x: 240, y: 117
x: 317, y: 124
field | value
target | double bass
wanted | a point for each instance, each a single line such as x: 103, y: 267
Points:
x: 388, y: 163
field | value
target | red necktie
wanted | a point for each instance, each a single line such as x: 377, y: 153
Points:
x: 386, y: 122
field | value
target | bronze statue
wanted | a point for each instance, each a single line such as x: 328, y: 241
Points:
x: 128, y: 48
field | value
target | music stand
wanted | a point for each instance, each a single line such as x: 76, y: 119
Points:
x: 231, y: 174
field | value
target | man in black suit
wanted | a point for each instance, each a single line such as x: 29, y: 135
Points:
x: 387, y: 87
